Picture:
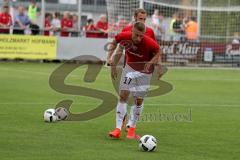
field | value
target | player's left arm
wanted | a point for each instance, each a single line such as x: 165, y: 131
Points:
x: 159, y: 64
x: 156, y: 60
x: 111, y: 49
x: 115, y: 60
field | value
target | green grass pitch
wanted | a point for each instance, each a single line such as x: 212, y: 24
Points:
x: 212, y: 95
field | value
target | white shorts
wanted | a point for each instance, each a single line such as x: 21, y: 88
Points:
x: 134, y: 81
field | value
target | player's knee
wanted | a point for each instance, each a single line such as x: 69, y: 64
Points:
x: 139, y: 101
x: 123, y: 98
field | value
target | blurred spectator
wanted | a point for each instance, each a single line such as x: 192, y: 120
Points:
x: 66, y: 25
x: 47, y: 24
x: 236, y: 38
x: 122, y: 23
x: 36, y: 23
x: 21, y: 22
x: 39, y: 18
x: 178, y: 29
x: 10, y: 4
x: 191, y: 29
x: 155, y: 20
x: 102, y: 26
x: 90, y: 29
x: 75, y: 25
x: 173, y: 20
x: 158, y: 26
x: 35, y: 29
x: 32, y: 11
x: 112, y: 29
x: 5, y: 20
x: 56, y: 24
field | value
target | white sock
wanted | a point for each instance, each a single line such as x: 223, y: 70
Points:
x: 121, y: 111
x: 131, y: 115
x: 134, y: 115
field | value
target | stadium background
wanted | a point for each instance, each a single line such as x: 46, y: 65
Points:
x: 217, y: 38
x: 198, y: 119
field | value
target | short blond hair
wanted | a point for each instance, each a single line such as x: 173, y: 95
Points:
x: 139, y: 26
x: 139, y: 10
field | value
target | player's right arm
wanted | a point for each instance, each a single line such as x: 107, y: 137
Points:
x: 111, y: 48
x: 113, y: 45
x: 114, y: 58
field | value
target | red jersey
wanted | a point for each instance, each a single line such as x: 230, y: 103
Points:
x: 91, y: 31
x: 149, y: 32
x: 104, y: 26
x: 5, y: 19
x: 137, y: 54
x: 66, y: 23
x: 46, y: 25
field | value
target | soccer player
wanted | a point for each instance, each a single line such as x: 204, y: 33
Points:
x: 139, y: 16
x: 141, y: 54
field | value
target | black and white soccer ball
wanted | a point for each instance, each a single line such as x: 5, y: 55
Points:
x: 147, y: 143
x: 62, y: 113
x: 50, y: 115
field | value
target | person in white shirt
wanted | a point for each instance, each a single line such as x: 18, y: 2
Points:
x: 236, y: 39
x: 157, y: 23
x: 56, y: 23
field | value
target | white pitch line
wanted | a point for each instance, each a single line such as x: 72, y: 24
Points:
x: 187, y: 104
x: 35, y: 72
x: 203, y: 68
x: 78, y: 76
x: 147, y: 104
x: 25, y: 71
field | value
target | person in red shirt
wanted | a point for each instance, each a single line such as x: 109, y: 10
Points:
x: 140, y: 16
x: 66, y: 25
x: 90, y: 29
x: 47, y: 24
x: 102, y: 26
x: 141, y: 54
x: 5, y: 20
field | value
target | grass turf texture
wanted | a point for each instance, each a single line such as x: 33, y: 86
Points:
x: 211, y: 94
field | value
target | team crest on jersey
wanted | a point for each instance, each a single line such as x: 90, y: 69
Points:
x: 135, y: 54
x: 134, y: 48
